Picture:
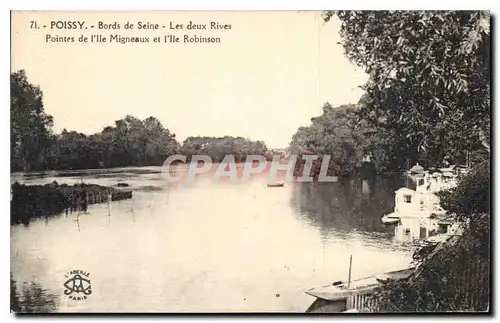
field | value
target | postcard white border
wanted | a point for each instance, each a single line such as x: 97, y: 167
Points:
x: 185, y: 5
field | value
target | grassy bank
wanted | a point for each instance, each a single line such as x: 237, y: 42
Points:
x: 37, y: 201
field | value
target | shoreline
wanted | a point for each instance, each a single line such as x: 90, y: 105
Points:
x: 38, y: 201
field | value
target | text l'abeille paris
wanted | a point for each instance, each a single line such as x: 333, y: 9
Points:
x: 102, y: 32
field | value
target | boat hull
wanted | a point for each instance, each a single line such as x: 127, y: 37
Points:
x: 390, y: 219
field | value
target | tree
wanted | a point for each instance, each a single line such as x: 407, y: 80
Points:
x: 131, y: 142
x: 429, y: 77
x: 218, y: 147
x: 31, y: 127
x: 74, y: 151
x: 429, y: 88
x: 471, y: 196
x: 342, y: 134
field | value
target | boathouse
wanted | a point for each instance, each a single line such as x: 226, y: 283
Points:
x: 410, y: 203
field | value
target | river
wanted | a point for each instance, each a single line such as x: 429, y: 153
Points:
x: 205, y: 246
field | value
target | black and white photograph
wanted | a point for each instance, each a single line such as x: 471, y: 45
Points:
x: 307, y: 162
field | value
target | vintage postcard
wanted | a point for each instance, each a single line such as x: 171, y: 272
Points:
x: 250, y: 162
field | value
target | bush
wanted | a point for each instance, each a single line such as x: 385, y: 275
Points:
x: 471, y: 196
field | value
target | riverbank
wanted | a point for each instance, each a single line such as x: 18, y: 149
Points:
x: 36, y: 201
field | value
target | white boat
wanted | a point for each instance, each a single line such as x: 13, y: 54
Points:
x: 391, y: 218
x: 343, y: 296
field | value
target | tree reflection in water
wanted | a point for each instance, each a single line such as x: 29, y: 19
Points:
x: 31, y: 298
x: 348, y: 205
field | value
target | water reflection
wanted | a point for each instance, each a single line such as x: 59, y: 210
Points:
x: 346, y: 206
x: 410, y: 229
x: 31, y: 298
x: 211, y: 247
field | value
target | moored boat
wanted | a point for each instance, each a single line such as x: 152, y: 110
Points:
x: 344, y: 296
x: 391, y: 218
x: 432, y: 241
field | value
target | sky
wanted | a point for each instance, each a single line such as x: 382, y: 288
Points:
x: 270, y: 74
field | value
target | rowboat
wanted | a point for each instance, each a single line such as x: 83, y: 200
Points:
x: 343, y: 296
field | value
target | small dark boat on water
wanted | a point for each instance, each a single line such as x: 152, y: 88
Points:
x: 276, y: 185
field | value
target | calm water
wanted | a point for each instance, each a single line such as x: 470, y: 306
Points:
x: 206, y: 246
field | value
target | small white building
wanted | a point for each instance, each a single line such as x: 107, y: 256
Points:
x: 419, y: 212
x: 411, y: 203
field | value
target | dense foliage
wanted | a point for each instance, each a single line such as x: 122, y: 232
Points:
x: 30, y: 130
x: 350, y: 140
x: 429, y: 87
x: 472, y: 195
x: 131, y: 142
x: 218, y: 147
x: 429, y: 78
x: 333, y: 133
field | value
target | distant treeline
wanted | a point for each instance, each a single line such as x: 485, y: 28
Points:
x: 130, y: 142
x: 218, y: 148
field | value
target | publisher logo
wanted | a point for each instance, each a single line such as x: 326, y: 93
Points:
x: 77, y: 285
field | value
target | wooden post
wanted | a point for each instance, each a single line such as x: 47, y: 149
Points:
x: 109, y: 204
x: 350, y: 267
x: 352, y: 302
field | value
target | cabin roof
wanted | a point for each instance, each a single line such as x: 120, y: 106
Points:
x: 417, y: 167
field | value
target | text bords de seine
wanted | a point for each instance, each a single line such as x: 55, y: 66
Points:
x: 140, y: 25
